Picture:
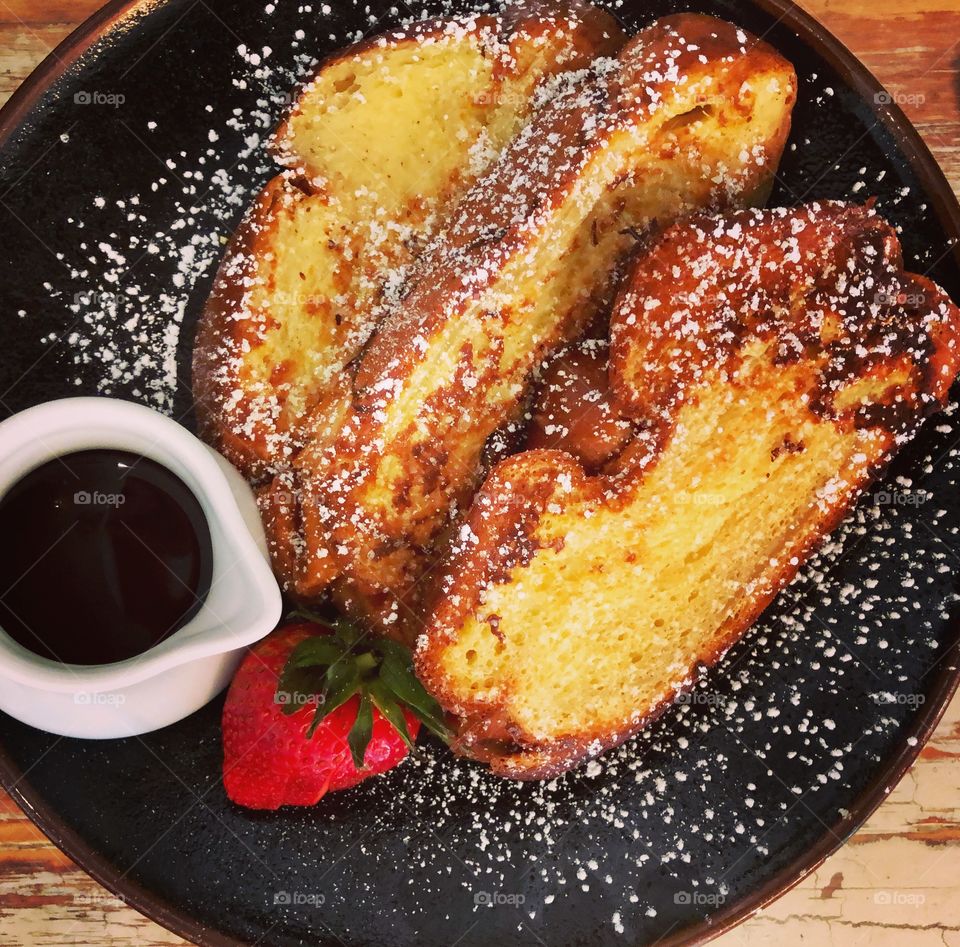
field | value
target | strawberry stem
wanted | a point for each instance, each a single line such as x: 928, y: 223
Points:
x: 329, y: 669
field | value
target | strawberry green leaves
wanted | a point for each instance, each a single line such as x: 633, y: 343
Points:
x: 362, y: 730
x: 397, y: 675
x: 341, y: 682
x: 316, y: 651
x: 329, y: 669
x: 384, y: 702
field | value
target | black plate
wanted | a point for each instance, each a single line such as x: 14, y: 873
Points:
x: 769, y: 765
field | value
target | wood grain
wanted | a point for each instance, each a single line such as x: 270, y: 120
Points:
x: 897, y: 881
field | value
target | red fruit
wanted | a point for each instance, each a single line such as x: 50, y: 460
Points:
x: 270, y: 757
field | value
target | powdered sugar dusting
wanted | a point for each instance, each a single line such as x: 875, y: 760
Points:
x: 129, y: 333
x: 728, y: 787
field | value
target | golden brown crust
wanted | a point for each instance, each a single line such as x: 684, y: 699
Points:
x: 219, y: 332
x: 259, y: 393
x: 452, y: 361
x: 863, y: 350
x: 280, y: 516
x: 243, y: 416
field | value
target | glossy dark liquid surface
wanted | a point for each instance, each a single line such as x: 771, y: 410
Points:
x: 103, y: 554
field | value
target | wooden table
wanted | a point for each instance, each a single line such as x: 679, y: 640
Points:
x: 897, y: 882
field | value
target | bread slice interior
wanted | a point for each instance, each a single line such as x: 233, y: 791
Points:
x: 772, y: 363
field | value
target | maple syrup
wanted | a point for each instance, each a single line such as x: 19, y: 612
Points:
x: 103, y: 554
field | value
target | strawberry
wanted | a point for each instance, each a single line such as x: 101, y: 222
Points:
x: 316, y: 707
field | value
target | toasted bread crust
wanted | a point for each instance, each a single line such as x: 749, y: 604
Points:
x: 812, y: 306
x: 258, y: 391
x: 452, y: 361
x: 241, y: 416
x: 218, y: 331
x: 530, y: 39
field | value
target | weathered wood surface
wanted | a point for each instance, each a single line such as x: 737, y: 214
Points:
x: 897, y: 882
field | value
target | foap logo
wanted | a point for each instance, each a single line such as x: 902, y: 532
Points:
x: 899, y: 898
x: 701, y: 498
x: 706, y: 898
x: 883, y: 97
x: 901, y: 497
x: 309, y: 301
x: 492, y: 899
x: 298, y: 899
x: 98, y: 900
x: 99, y: 699
x: 898, y: 699
x: 498, y: 97
x: 88, y: 299
x: 280, y: 499
x: 96, y: 498
x: 297, y: 699
x: 701, y: 698
x: 97, y: 97
x: 901, y: 298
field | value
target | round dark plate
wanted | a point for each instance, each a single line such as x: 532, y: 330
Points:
x: 127, y: 160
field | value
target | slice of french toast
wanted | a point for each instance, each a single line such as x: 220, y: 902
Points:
x: 378, y: 146
x: 693, y: 113
x: 773, y: 361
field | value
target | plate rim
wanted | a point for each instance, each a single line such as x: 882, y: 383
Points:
x: 940, y: 194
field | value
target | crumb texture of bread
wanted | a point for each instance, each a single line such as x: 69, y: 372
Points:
x: 692, y: 114
x: 406, y: 117
x: 772, y: 362
x: 378, y: 146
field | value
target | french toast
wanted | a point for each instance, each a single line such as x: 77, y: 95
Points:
x: 692, y: 114
x: 772, y: 362
x: 301, y: 286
